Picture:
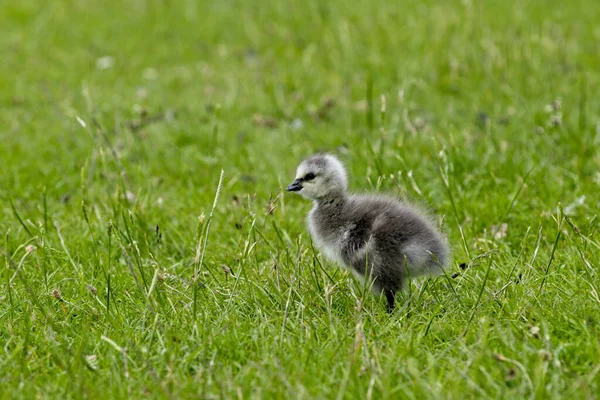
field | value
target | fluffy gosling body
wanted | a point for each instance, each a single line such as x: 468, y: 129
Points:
x: 374, y: 236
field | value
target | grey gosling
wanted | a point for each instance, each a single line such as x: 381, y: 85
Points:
x: 372, y: 235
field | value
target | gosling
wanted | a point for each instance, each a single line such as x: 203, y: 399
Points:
x: 376, y: 237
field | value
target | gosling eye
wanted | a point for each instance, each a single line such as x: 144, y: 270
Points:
x: 309, y: 177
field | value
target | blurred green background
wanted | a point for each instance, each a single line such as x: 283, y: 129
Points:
x: 117, y: 118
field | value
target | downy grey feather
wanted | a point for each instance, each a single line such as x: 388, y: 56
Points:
x: 374, y: 236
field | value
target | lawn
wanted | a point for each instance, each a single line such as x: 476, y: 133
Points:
x: 149, y: 248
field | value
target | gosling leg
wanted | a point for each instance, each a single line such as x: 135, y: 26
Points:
x: 390, y: 296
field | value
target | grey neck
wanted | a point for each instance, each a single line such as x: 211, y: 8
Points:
x: 332, y: 201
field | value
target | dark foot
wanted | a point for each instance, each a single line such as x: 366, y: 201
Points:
x: 390, y: 296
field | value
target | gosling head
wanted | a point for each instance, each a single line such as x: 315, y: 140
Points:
x: 321, y: 177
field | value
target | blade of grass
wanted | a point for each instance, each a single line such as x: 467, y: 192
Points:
x: 201, y: 245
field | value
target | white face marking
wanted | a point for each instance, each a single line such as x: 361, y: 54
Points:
x: 330, y: 177
x: 300, y: 172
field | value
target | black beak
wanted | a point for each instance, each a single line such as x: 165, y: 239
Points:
x: 294, y: 186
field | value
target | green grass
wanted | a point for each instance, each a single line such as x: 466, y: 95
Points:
x: 124, y: 276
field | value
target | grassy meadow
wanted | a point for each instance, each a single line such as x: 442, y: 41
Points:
x: 148, y: 247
